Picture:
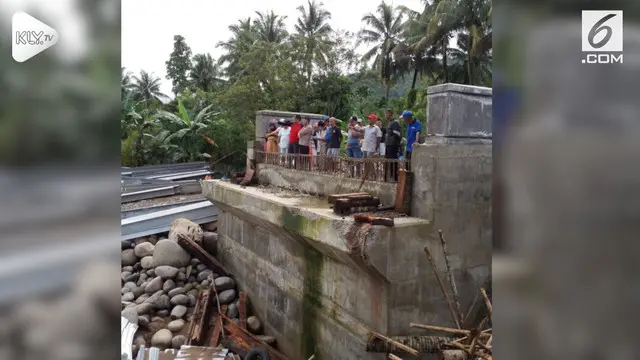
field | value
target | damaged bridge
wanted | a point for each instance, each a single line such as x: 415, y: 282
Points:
x: 323, y: 278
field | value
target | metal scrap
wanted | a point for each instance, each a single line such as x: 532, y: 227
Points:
x: 198, y: 252
x: 199, y: 323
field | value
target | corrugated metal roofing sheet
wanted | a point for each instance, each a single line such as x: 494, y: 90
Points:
x: 128, y: 330
x: 186, y: 352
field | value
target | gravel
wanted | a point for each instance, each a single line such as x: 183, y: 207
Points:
x: 160, y: 201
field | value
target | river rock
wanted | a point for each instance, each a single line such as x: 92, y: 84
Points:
x: 227, y: 296
x: 147, y: 262
x: 163, y: 302
x: 254, y: 325
x: 154, y: 285
x: 151, y: 273
x: 193, y: 292
x: 142, y: 298
x: 168, y: 286
x: 192, y: 300
x: 162, y: 338
x: 205, y: 283
x: 139, y: 290
x: 180, y: 299
x: 188, y: 287
x: 143, y: 321
x: 137, y: 266
x: 124, y: 275
x: 130, y: 314
x: 130, y: 285
x: 178, y: 311
x: 166, y: 272
x: 194, y: 261
x: 210, y: 242
x: 186, y: 228
x: 163, y: 313
x: 168, y: 252
x: 176, y: 291
x: 270, y: 340
x: 144, y: 249
x: 224, y: 283
x: 128, y: 268
x: 125, y: 245
x: 204, y: 275
x: 132, y: 278
x: 176, y: 325
x: 144, y: 308
x: 128, y: 297
x: 181, y: 277
x: 232, y: 311
x: 178, y: 341
x: 201, y: 267
x: 192, y: 279
x: 124, y: 290
x: 128, y: 257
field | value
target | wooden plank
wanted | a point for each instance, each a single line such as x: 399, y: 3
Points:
x: 198, y: 252
x: 373, y: 220
x: 242, y: 309
x: 217, y: 327
x: 199, y: 324
x: 400, y: 190
x: 332, y: 198
x: 245, y: 339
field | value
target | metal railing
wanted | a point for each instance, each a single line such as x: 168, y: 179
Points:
x: 377, y: 169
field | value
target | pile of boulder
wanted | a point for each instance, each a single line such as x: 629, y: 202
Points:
x: 161, y: 282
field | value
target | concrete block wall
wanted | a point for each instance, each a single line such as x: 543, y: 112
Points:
x: 453, y: 180
x: 304, y: 297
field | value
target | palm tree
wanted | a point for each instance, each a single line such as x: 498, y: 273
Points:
x: 243, y: 36
x: 270, y: 27
x: 312, y: 31
x: 384, y: 31
x: 470, y: 17
x: 423, y: 41
x: 204, y: 72
x: 482, y: 64
x: 125, y: 81
x: 147, y: 88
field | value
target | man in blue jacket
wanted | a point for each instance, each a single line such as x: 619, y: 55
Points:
x: 414, y: 128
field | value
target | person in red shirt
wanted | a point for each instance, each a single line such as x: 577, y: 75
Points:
x: 293, y: 135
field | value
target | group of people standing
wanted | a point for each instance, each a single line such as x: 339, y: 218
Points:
x: 325, y: 138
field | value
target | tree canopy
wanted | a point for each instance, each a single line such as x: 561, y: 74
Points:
x: 312, y: 67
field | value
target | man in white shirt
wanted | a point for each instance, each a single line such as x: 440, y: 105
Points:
x: 283, y: 134
x: 372, y: 137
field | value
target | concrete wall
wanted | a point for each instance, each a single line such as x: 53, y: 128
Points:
x: 324, y: 185
x: 459, y: 110
x: 264, y: 117
x: 315, y: 292
x: 453, y: 177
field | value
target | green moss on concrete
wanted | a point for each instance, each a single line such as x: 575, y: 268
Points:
x: 302, y: 225
x: 312, y: 303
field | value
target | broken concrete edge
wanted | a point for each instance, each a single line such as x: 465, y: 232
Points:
x: 317, y: 224
x: 459, y: 88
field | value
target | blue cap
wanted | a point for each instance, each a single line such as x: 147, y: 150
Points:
x: 407, y: 113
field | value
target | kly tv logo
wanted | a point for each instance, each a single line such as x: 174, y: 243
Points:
x: 30, y: 36
x: 602, y: 37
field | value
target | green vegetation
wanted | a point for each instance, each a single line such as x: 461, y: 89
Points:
x: 315, y: 69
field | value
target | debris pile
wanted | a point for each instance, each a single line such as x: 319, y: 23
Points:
x: 451, y: 343
x: 169, y: 286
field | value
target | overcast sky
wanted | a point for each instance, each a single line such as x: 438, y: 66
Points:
x: 148, y: 26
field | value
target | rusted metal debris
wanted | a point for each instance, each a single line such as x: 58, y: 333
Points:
x: 403, y: 191
x: 374, y: 220
x: 461, y: 344
x: 217, y: 326
x: 422, y: 344
x: 248, y: 177
x: 242, y: 309
x: 332, y: 198
x: 359, y: 203
x: 247, y: 340
x: 198, y: 252
x: 199, y: 322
